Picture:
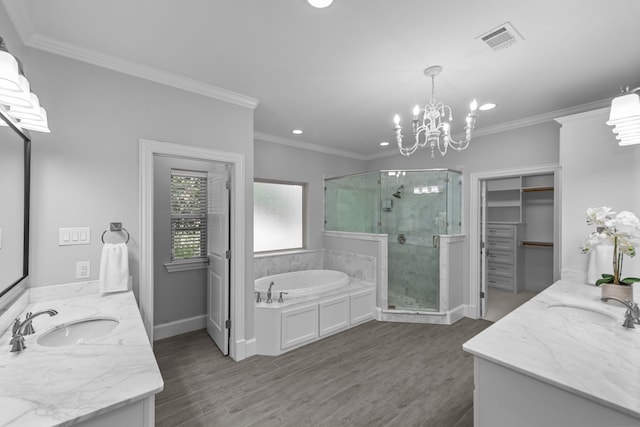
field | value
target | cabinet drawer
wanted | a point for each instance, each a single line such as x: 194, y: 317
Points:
x: 500, y: 282
x: 498, y: 269
x: 497, y: 230
x: 505, y: 257
x: 501, y: 244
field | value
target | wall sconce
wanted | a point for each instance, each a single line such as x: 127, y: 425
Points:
x: 16, y: 96
x: 625, y: 116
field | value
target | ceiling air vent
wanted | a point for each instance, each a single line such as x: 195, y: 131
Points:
x: 503, y: 36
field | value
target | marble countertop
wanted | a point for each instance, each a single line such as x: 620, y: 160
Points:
x: 599, y: 361
x: 45, y: 386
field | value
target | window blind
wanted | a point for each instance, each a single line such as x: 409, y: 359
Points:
x: 188, y: 215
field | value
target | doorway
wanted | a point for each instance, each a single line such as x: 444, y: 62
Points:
x: 238, y: 345
x: 515, y: 226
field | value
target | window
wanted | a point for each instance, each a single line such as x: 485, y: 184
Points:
x: 188, y: 215
x: 278, y: 219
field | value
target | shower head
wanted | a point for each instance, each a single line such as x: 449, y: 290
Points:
x: 398, y: 193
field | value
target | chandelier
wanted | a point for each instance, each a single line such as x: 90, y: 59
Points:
x: 16, y: 97
x: 432, y: 124
x: 625, y: 116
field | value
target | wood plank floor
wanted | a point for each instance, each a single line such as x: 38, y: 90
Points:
x: 376, y: 374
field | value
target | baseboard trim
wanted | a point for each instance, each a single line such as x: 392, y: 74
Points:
x: 178, y: 327
x: 456, y: 313
x: 251, y: 347
x: 471, y: 311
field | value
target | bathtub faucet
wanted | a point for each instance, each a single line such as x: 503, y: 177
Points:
x: 269, y: 300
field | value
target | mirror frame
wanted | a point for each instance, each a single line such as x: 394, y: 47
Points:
x: 24, y: 134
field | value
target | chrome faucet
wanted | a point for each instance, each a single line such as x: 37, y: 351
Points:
x: 20, y: 329
x: 631, y: 316
x: 269, y: 300
x: 281, y: 299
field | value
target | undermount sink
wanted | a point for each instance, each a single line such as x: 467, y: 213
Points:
x: 581, y: 313
x: 78, y: 332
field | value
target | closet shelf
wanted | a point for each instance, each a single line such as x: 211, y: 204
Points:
x: 537, y: 244
x: 536, y: 189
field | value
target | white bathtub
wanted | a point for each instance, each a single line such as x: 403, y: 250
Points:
x: 300, y: 284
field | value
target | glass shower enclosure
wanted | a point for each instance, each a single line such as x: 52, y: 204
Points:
x: 413, y: 207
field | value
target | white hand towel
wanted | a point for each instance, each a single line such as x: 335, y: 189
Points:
x: 600, y: 262
x: 114, y: 268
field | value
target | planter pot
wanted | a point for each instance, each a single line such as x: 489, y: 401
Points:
x: 617, y: 291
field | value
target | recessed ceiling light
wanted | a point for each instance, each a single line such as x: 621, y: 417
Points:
x: 487, y: 106
x: 320, y: 4
x: 384, y: 143
x: 297, y: 131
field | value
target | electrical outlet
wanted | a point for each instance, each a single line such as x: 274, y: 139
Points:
x: 83, y: 269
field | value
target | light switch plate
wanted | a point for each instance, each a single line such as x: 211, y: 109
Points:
x: 74, y: 236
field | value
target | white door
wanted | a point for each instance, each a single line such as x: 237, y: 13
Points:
x: 218, y: 254
x: 483, y: 248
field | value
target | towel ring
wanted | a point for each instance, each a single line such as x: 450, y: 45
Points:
x: 115, y: 227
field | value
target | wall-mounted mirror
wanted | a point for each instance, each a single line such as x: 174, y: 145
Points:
x: 15, y: 160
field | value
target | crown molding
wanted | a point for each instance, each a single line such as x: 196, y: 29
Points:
x: 20, y: 18
x: 47, y: 44
x: 541, y: 118
x: 261, y: 136
x: 602, y: 112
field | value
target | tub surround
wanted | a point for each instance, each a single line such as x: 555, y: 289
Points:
x: 567, y: 371
x: 282, y: 327
x: 112, y: 379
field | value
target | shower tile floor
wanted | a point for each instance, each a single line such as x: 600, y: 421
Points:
x: 400, y: 301
x: 375, y: 374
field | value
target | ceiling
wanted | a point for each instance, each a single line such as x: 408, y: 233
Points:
x: 341, y: 73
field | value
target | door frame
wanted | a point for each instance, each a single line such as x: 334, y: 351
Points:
x: 149, y: 148
x: 474, y: 224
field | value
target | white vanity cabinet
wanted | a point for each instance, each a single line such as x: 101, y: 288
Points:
x: 548, y: 364
x: 506, y: 398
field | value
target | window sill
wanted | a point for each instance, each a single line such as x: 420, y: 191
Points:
x: 266, y: 254
x: 175, y: 266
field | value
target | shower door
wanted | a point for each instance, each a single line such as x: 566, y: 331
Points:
x: 413, y: 212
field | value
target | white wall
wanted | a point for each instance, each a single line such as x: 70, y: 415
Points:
x: 596, y: 171
x: 85, y: 172
x: 525, y: 147
x: 285, y: 163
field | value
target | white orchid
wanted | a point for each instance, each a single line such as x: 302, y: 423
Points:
x: 598, y: 216
x: 622, y: 231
